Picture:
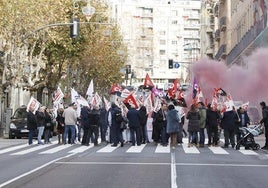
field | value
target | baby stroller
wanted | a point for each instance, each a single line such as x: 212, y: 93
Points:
x: 247, y: 137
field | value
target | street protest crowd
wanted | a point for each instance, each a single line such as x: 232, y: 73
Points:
x: 128, y: 113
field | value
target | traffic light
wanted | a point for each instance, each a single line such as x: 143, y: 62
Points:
x: 74, y: 28
x: 170, y: 63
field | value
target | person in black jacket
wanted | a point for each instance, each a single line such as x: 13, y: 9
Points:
x: 143, y: 122
x: 243, y: 121
x: 94, y: 118
x: 31, y: 125
x: 134, y: 118
x: 264, y: 121
x: 212, y: 123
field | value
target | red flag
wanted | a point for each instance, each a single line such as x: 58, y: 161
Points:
x: 180, y: 95
x: 131, y: 101
x: 115, y: 89
x: 173, y: 89
x: 148, y: 81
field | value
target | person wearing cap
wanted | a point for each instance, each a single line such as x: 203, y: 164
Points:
x: 70, y: 118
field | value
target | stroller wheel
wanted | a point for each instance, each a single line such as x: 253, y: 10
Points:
x: 256, y: 147
x: 237, y: 147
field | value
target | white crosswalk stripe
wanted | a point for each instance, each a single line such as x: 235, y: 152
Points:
x: 218, y: 150
x: 135, y: 149
x: 13, y: 148
x: 192, y: 149
x: 162, y: 149
x: 107, y: 149
x: 56, y: 149
x: 32, y: 149
x: 81, y: 149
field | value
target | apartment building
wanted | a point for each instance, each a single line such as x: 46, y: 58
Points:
x: 242, y: 28
x: 163, y: 38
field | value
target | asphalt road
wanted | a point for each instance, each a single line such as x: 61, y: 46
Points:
x: 129, y: 167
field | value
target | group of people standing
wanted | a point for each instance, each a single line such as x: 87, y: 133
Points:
x: 167, y: 124
x: 40, y: 122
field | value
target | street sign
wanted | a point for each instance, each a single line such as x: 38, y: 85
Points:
x: 176, y: 65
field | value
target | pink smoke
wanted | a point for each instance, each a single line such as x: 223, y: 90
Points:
x: 246, y: 83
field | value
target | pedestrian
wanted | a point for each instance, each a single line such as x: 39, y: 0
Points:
x: 134, y: 122
x: 85, y: 125
x: 114, y: 124
x: 94, y: 119
x: 264, y: 121
x: 143, y: 123
x: 48, y: 126
x: 193, y: 125
x: 103, y: 124
x: 173, y: 121
x: 202, y: 123
x: 31, y: 124
x: 243, y: 121
x: 228, y: 122
x: 60, y: 125
x: 40, y: 118
x: 70, y: 118
x: 159, y: 125
x: 212, y: 123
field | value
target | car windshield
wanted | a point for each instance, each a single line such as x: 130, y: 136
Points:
x: 20, y: 113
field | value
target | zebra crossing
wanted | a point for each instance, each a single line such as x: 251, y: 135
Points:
x: 52, y: 148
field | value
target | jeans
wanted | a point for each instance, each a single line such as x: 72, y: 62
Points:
x: 66, y: 131
x: 202, y: 136
x: 40, y: 134
x: 192, y: 137
x: 30, y: 136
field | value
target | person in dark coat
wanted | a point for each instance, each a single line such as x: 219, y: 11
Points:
x: 85, y: 125
x: 228, y: 122
x: 134, y: 121
x: 212, y: 123
x: 48, y: 126
x: 103, y: 124
x: 193, y: 124
x: 173, y: 121
x: 115, y: 131
x: 143, y: 122
x: 264, y: 121
x: 40, y: 118
x: 60, y: 125
x: 31, y: 124
x: 94, y: 123
x: 159, y: 125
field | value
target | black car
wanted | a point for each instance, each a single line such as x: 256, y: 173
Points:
x: 18, y: 124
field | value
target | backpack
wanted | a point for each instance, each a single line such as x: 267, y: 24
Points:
x: 118, y: 116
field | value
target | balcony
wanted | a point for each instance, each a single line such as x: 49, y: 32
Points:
x: 217, y: 35
x: 221, y: 52
x: 223, y: 23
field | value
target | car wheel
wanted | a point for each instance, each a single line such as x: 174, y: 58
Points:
x: 11, y: 136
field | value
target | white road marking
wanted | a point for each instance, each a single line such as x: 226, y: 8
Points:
x: 192, y: 150
x: 56, y: 149
x: 35, y: 148
x: 248, y: 152
x: 107, y: 149
x: 81, y: 149
x: 162, y: 149
x: 218, y: 150
x: 13, y: 148
x: 136, y: 149
x: 173, y: 171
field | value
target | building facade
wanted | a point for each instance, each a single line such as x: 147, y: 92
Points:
x: 163, y: 38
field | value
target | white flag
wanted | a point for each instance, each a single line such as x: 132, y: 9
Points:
x: 33, y: 103
x: 90, y: 89
x: 58, y: 95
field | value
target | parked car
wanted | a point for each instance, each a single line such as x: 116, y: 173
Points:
x: 18, y: 124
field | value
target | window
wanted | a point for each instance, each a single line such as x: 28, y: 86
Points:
x: 162, y: 52
x: 162, y: 42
